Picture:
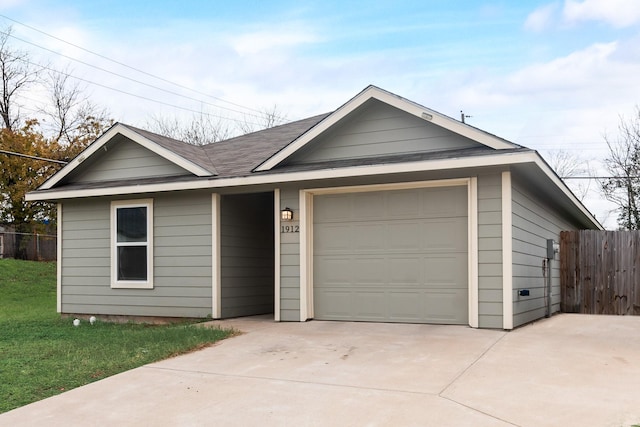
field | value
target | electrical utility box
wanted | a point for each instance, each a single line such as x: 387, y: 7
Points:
x: 553, y: 248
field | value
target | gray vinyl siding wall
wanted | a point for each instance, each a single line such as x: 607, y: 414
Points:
x: 182, y: 259
x: 379, y: 129
x: 490, y: 251
x: 247, y: 254
x: 290, y: 260
x: 126, y: 159
x: 534, y: 221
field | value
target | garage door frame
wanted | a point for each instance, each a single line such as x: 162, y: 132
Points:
x: 306, y: 235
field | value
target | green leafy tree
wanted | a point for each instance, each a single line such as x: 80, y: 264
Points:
x: 20, y: 175
x: 70, y: 120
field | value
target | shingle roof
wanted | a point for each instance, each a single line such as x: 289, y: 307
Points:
x: 236, y: 156
x: 240, y: 155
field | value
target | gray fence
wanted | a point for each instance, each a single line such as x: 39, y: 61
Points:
x: 28, y: 246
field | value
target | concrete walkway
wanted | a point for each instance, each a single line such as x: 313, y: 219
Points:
x: 570, y: 370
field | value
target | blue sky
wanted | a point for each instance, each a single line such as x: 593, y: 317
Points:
x: 550, y: 75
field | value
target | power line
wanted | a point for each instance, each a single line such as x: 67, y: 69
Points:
x: 600, y: 177
x: 44, y: 67
x: 131, y: 68
x: 13, y: 153
x: 129, y: 78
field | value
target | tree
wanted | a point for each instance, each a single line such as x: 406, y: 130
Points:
x: 72, y: 122
x: 570, y: 165
x: 623, y: 164
x: 268, y: 118
x: 203, y: 128
x: 20, y: 175
x: 16, y: 74
x: 71, y: 116
x: 200, y: 129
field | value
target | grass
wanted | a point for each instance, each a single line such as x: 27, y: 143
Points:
x: 42, y: 355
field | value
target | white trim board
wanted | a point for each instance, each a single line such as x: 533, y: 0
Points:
x: 148, y: 283
x: 306, y: 236
x: 216, y: 280
x: 306, y: 255
x: 59, y: 263
x: 507, y: 252
x: 498, y: 159
x: 472, y: 236
x: 277, y: 260
x: 354, y: 171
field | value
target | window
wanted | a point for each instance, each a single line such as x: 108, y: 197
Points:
x: 132, y: 244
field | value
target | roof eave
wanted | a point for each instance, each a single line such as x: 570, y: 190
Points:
x: 492, y: 160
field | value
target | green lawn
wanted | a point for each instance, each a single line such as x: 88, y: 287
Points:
x: 42, y: 355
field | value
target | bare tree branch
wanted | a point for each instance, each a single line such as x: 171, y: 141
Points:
x: 202, y: 129
x: 69, y: 108
x: 567, y: 164
x: 623, y: 163
x: 16, y: 74
x: 270, y: 117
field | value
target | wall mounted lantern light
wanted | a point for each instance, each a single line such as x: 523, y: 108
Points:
x: 286, y: 214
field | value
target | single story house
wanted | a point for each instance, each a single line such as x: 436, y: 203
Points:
x: 382, y: 210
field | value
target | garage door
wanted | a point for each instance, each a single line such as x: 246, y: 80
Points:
x: 391, y: 256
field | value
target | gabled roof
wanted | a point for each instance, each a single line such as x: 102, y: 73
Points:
x: 264, y: 157
x: 240, y: 155
x: 189, y: 157
x: 374, y: 92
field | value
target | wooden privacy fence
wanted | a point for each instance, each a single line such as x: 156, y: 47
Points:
x: 28, y: 246
x: 600, y: 272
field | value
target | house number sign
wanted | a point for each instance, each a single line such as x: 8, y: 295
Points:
x: 290, y: 228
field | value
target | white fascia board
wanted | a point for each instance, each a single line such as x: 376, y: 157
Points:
x: 354, y: 171
x: 373, y: 92
x: 125, y: 131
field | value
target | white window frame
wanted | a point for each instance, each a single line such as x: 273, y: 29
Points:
x: 131, y: 284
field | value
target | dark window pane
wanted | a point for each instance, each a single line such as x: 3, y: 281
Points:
x: 132, y: 263
x: 132, y: 224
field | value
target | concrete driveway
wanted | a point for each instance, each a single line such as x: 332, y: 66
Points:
x: 570, y: 370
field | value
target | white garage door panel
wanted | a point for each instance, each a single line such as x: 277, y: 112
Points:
x: 395, y: 256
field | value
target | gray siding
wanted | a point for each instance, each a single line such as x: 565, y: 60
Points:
x: 247, y: 254
x: 126, y: 159
x: 379, y: 129
x: 290, y: 260
x: 182, y: 259
x: 534, y: 221
x: 490, y: 251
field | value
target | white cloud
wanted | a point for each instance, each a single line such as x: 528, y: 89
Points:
x: 541, y: 18
x: 252, y: 43
x: 8, y: 4
x: 618, y: 13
